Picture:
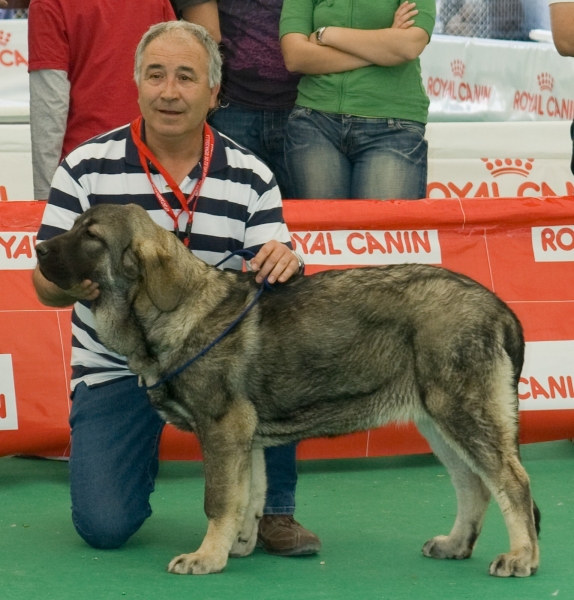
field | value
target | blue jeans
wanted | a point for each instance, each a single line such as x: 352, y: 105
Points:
x: 342, y: 156
x: 114, y: 462
x: 262, y: 132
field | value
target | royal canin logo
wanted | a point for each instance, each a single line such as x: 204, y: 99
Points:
x: 17, y: 250
x: 505, y: 166
x: 547, y: 380
x: 553, y: 243
x: 359, y: 247
x: 457, y: 67
x: 498, y: 167
x: 541, y: 104
x: 457, y: 89
x: 8, y: 57
x: 545, y: 81
x: 4, y: 37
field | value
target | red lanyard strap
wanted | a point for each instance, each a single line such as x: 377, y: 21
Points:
x: 187, y: 204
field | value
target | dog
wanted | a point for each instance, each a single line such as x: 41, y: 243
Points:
x: 324, y: 355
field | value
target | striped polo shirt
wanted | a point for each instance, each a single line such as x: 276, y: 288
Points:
x: 239, y: 207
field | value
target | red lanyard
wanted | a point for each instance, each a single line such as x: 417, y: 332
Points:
x: 187, y: 205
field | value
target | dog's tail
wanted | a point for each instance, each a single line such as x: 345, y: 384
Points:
x: 537, y: 517
x: 513, y: 343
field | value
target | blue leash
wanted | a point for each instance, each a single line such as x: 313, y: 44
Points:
x: 265, y: 285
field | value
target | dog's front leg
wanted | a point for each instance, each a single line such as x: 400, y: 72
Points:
x: 226, y: 447
x: 245, y: 542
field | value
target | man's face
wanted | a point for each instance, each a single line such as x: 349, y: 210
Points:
x: 173, y: 92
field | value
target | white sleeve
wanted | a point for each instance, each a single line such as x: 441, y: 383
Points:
x: 49, y: 104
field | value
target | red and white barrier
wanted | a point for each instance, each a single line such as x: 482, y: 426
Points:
x: 522, y: 248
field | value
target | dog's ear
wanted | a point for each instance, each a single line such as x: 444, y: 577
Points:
x: 130, y: 264
x: 164, y: 276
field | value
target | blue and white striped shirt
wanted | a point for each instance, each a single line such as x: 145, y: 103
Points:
x: 239, y: 207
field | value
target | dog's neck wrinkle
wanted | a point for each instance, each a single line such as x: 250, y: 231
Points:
x: 203, y: 321
x: 120, y: 329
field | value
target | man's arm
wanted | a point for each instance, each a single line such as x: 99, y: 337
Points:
x: 49, y: 104
x: 562, y: 24
x: 202, y: 12
x: 51, y: 295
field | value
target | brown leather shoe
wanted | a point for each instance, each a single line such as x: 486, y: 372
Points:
x: 283, y: 536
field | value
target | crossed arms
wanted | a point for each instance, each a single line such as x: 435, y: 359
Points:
x: 346, y: 49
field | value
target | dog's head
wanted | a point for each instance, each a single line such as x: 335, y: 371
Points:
x: 121, y: 249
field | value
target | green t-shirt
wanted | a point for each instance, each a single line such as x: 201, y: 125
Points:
x: 373, y: 91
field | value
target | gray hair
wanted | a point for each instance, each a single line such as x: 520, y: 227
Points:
x: 197, y: 31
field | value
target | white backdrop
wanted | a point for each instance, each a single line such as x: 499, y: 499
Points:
x: 499, y: 113
x: 472, y: 79
x: 14, y: 93
x: 465, y: 160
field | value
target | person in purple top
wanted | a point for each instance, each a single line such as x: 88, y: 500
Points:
x: 257, y: 95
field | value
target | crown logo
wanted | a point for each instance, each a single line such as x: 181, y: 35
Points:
x: 457, y: 67
x: 4, y: 37
x: 545, y: 81
x: 506, y: 166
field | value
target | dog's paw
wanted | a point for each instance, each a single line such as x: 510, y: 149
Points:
x: 513, y: 564
x: 243, y: 545
x: 443, y: 546
x: 196, y: 563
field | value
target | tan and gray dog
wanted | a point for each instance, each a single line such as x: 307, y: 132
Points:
x: 329, y: 354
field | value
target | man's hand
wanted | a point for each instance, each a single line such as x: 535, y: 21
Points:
x: 404, y: 15
x: 87, y: 290
x: 3, y: 3
x: 51, y: 295
x: 274, y: 261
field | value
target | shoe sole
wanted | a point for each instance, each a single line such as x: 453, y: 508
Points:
x: 302, y: 551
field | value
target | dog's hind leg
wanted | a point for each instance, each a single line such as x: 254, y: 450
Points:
x: 226, y: 444
x: 511, y: 488
x: 472, y: 498
x: 247, y: 538
x: 483, y: 429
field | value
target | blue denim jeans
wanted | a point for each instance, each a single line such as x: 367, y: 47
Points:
x: 114, y: 462
x: 262, y: 132
x: 342, y: 156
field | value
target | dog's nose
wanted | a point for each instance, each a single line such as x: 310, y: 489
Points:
x: 42, y: 250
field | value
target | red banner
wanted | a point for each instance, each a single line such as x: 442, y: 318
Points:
x: 522, y: 248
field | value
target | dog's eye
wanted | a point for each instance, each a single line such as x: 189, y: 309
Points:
x: 91, y: 234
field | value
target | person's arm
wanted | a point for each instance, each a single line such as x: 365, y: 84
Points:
x: 67, y: 201
x: 49, y: 104
x: 202, y: 12
x: 50, y: 294
x: 303, y: 56
x: 562, y: 24
x: 348, y: 48
x: 48, y: 65
x: 384, y: 47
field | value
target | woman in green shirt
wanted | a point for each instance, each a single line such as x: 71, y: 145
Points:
x: 357, y: 130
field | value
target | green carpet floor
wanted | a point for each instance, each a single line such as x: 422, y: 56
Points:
x: 373, y: 516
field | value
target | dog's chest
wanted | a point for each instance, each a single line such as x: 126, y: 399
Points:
x: 171, y: 410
